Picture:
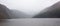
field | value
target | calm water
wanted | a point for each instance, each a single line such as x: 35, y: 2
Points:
x: 31, y: 22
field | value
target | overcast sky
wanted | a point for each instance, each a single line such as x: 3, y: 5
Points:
x: 28, y: 6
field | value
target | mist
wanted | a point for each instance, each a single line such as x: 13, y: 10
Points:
x: 30, y: 7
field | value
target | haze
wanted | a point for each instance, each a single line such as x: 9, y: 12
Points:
x: 31, y: 7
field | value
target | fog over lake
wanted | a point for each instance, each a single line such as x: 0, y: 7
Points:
x: 30, y: 7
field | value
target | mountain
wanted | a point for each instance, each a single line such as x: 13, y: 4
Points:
x: 50, y: 12
x: 18, y: 14
x: 4, y: 12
